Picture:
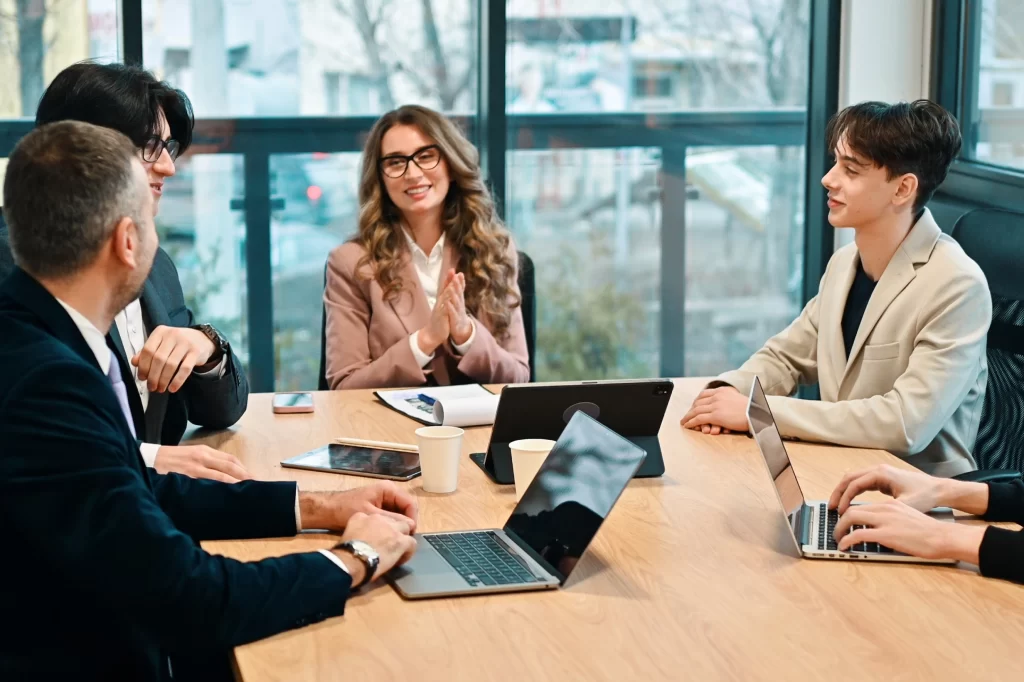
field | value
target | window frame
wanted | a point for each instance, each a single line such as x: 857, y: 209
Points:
x: 494, y: 133
x: 954, y: 81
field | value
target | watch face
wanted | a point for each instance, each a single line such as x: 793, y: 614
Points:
x: 364, y: 549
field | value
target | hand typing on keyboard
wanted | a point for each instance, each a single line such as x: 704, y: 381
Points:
x: 896, y: 525
x: 915, y: 488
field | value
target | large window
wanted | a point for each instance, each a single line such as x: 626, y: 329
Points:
x: 654, y: 161
x: 995, y: 105
x: 281, y: 62
x: 282, y: 58
x: 680, y: 255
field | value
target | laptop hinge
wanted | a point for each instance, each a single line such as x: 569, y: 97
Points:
x: 529, y: 551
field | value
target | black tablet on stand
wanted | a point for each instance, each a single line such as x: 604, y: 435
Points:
x: 633, y: 408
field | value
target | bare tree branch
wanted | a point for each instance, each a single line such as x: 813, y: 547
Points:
x: 368, y: 33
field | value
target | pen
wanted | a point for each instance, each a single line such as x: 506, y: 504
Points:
x: 427, y: 399
x: 376, y: 444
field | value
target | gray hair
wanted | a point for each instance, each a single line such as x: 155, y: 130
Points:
x: 68, y: 184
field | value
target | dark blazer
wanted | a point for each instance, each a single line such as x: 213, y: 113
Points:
x: 214, y: 403
x: 102, y: 575
x: 6, y: 259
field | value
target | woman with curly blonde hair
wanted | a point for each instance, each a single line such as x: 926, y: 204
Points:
x: 426, y: 292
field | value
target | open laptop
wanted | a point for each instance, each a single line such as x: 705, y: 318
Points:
x: 811, y: 523
x: 548, y: 531
x: 633, y: 409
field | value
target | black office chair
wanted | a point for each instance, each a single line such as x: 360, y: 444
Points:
x: 995, y: 240
x: 527, y: 292
x: 322, y: 385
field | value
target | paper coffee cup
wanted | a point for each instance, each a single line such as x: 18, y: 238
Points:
x: 440, y: 448
x: 527, y: 457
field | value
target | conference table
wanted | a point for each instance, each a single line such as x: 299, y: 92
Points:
x: 691, y: 577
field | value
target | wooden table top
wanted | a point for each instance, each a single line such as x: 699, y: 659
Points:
x: 691, y: 578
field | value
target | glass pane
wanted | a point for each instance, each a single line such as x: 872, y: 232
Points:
x: 313, y: 57
x: 321, y: 210
x: 39, y: 38
x: 667, y: 259
x: 744, y: 251
x: 206, y: 240
x: 639, y: 55
x: 998, y: 106
x: 590, y: 219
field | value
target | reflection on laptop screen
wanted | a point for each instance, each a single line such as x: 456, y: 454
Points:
x: 769, y: 441
x: 574, y: 491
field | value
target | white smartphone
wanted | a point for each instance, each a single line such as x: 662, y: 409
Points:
x: 291, y: 403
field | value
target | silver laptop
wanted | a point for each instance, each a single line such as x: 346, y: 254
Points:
x: 548, y: 531
x: 811, y: 523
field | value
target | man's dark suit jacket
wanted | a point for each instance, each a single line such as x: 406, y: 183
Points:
x: 102, y: 575
x: 215, y: 403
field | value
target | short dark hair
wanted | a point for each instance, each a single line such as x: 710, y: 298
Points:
x: 125, y: 98
x: 67, y: 186
x: 918, y: 137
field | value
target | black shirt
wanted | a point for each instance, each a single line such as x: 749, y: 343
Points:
x: 1001, y: 554
x: 856, y: 304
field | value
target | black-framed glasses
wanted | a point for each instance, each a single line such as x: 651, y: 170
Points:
x: 396, y: 165
x: 155, y: 146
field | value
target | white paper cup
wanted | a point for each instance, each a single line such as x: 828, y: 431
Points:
x: 527, y: 457
x: 440, y: 449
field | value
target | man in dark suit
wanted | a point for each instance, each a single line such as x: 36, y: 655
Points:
x: 181, y: 371
x: 105, y: 578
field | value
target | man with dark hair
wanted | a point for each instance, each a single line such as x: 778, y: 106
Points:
x: 895, y: 338
x: 179, y: 371
x: 106, y: 579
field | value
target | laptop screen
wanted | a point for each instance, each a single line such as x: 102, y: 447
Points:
x: 769, y: 441
x: 573, y: 492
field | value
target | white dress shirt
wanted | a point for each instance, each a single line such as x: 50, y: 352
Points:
x: 132, y: 330
x: 97, y: 342
x: 428, y: 269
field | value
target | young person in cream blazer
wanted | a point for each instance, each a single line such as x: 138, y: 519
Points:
x: 895, y: 338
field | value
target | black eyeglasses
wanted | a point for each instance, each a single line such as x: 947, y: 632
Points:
x: 396, y: 165
x: 155, y: 146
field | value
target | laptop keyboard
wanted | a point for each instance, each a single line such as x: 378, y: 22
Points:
x: 481, y: 558
x: 827, y: 520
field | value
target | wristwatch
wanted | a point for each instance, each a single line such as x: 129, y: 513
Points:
x: 222, y: 348
x: 364, y: 553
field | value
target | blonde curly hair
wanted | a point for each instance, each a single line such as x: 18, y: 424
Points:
x: 469, y: 221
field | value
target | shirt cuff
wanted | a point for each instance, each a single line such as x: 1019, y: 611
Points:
x: 333, y: 557
x: 217, y: 372
x: 463, y: 348
x: 420, y: 356
x: 149, y: 452
x: 298, y: 513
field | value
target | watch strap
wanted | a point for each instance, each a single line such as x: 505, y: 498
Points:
x: 219, y: 342
x: 369, y: 563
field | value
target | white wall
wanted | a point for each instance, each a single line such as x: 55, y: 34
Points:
x: 884, y: 55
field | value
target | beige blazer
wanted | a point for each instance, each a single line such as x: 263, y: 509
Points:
x: 368, y: 337
x: 915, y: 382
